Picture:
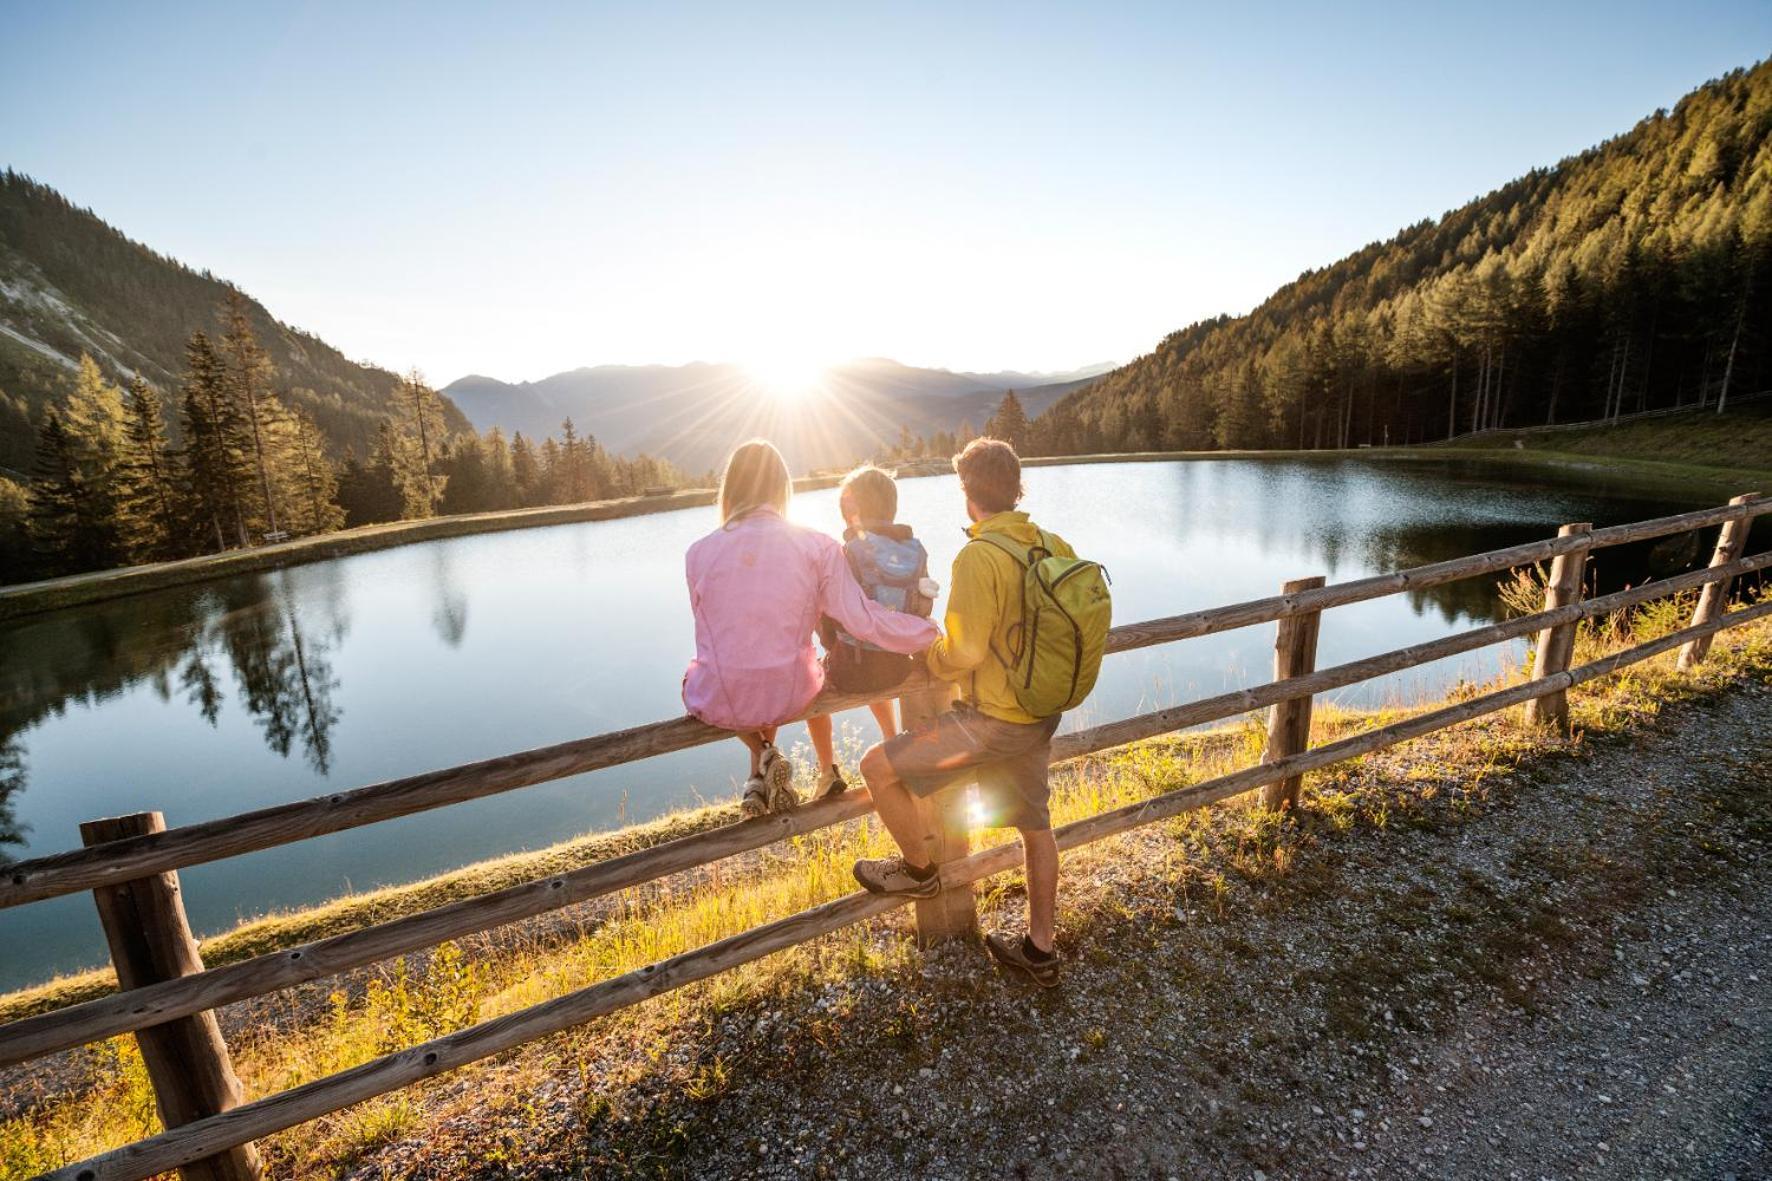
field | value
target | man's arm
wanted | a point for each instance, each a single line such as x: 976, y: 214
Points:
x: 971, y: 616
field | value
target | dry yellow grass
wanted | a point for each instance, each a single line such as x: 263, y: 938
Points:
x: 412, y: 1000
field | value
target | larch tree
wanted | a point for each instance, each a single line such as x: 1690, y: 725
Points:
x: 311, y: 479
x: 422, y: 414
x: 74, y: 523
x: 15, y: 531
x: 248, y: 384
x: 149, y: 492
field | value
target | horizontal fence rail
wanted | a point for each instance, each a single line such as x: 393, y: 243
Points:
x: 265, y: 828
x: 143, y: 1007
x: 324, y: 1096
x: 106, y: 865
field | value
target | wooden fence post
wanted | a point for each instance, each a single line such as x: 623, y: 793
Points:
x: 1289, y: 724
x: 952, y: 914
x: 187, y: 1061
x: 1556, y: 645
x: 1714, y: 598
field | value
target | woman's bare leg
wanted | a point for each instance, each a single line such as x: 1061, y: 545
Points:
x: 756, y: 740
x: 823, y: 749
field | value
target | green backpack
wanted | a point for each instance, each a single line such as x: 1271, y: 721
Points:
x: 1065, y: 614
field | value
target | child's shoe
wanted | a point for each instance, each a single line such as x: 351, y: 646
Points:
x: 755, y: 800
x: 830, y: 784
x: 778, y: 779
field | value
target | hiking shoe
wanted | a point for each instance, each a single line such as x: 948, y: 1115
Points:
x: 890, y: 875
x: 755, y: 800
x: 1013, y: 953
x: 830, y: 784
x: 778, y: 779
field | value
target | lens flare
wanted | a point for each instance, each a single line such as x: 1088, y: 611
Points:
x: 787, y: 378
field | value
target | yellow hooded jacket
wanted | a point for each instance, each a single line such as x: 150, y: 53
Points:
x: 984, y: 606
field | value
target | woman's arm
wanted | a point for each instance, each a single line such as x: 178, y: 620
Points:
x: 842, y: 598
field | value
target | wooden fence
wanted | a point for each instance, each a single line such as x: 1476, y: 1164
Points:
x: 167, y: 997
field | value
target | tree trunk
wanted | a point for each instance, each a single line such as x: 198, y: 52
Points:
x: 1550, y: 414
x: 1734, y: 343
x: 1452, y: 407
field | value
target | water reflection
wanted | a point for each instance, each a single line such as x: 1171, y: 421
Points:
x: 249, y: 626
x: 450, y: 616
x: 12, y: 782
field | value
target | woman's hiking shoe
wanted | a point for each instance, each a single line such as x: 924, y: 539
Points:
x: 890, y: 875
x: 830, y: 783
x: 755, y: 800
x: 778, y: 778
x: 1024, y: 957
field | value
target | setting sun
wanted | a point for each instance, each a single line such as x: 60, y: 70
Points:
x: 787, y: 378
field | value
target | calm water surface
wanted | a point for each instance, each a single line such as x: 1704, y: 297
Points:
x: 244, y: 692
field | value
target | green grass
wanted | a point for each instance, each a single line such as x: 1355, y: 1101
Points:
x: 275, y: 932
x: 1697, y: 446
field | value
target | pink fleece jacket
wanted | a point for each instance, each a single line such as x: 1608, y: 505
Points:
x: 758, y: 587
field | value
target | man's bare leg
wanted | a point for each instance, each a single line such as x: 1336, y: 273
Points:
x: 885, y: 713
x: 898, y: 809
x: 1040, y: 854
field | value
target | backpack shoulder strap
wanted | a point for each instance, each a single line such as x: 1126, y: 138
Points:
x: 997, y: 541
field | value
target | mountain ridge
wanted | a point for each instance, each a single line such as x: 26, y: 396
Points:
x: 72, y: 283
x: 1633, y: 274
x: 861, y: 407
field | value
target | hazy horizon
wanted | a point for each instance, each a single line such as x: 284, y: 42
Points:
x: 441, y: 187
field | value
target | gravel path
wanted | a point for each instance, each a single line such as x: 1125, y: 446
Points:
x: 1447, y: 968
x: 1556, y: 972
x: 1657, y: 1063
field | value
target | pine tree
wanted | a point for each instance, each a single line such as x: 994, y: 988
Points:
x: 149, y: 495
x: 96, y: 418
x: 573, y: 480
x: 313, y: 484
x: 366, y: 491
x: 526, y: 476
x: 73, y: 521
x: 15, y: 532
x: 80, y: 454
x: 248, y: 384
x: 500, y: 481
x: 1010, y: 422
x: 468, y: 490
x: 215, y: 473
x: 552, y: 472
x: 422, y: 484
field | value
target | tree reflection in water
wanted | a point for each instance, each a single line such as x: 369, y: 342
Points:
x: 450, y: 615
x: 280, y: 661
x: 12, y: 783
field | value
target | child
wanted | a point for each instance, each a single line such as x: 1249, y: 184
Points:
x: 759, y: 586
x: 893, y: 569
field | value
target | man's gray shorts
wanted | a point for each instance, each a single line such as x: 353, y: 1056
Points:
x: 1007, y: 758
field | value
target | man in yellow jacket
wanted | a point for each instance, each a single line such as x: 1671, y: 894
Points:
x: 987, y: 734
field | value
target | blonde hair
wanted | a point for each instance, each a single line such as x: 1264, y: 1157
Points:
x: 756, y: 476
x: 873, y: 493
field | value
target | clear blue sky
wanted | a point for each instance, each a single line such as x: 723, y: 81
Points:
x: 516, y: 189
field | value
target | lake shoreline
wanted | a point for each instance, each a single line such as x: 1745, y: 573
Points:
x: 32, y: 598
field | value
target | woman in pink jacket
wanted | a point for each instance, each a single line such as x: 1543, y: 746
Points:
x: 758, y: 585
